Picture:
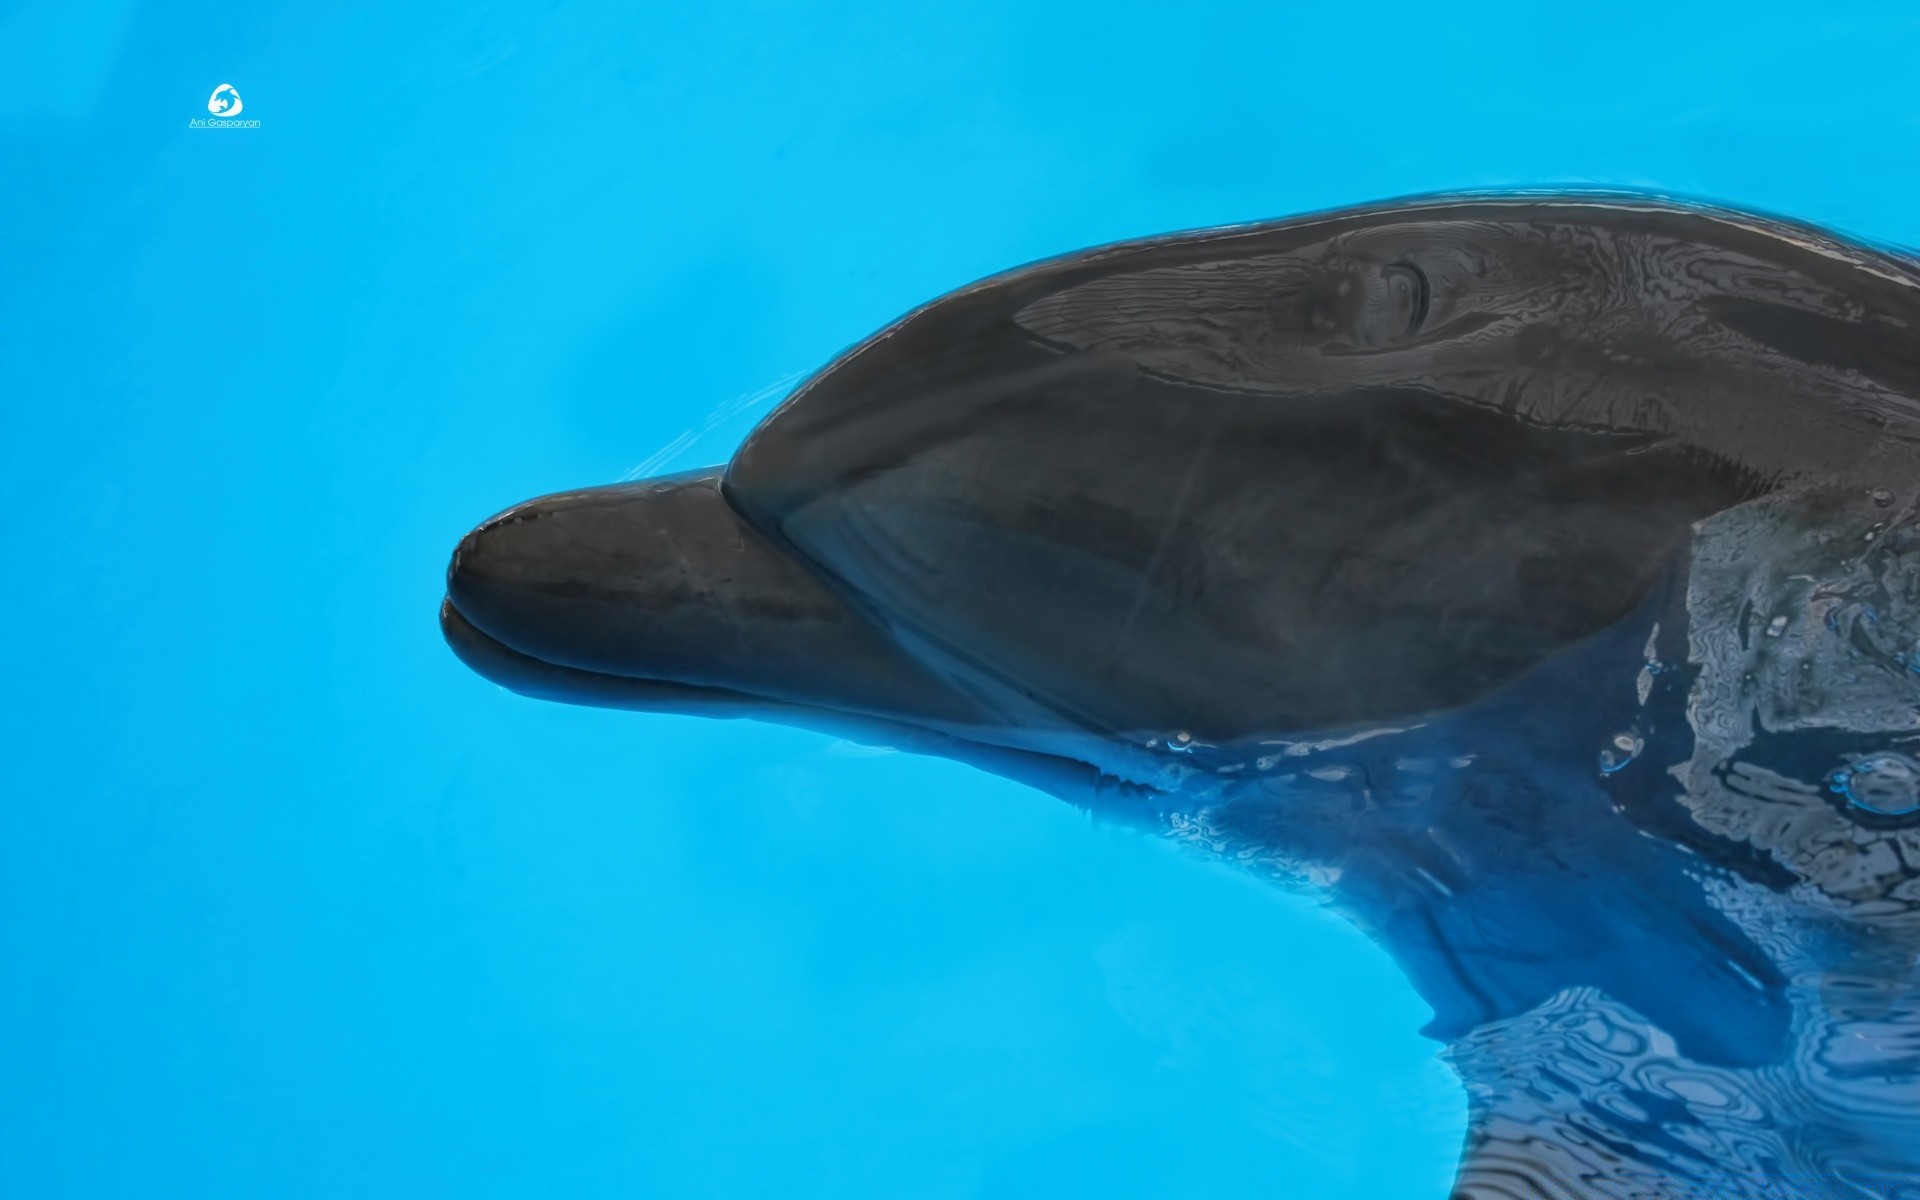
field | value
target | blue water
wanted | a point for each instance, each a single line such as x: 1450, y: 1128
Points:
x: 292, y: 904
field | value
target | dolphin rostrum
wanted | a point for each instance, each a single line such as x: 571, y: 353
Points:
x: 1534, y: 576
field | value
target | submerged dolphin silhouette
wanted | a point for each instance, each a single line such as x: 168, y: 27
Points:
x: 1537, y: 576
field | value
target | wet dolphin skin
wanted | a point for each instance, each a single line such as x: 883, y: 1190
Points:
x: 1534, y: 576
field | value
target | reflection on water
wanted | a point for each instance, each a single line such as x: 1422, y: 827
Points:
x: 1638, y: 1009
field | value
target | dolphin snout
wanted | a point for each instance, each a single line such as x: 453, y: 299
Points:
x: 661, y: 580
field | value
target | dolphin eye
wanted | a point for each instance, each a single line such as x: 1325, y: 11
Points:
x: 1354, y: 306
x: 1407, y: 296
x: 1396, y: 305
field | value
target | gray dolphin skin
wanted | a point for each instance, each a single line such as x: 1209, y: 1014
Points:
x: 1534, y: 576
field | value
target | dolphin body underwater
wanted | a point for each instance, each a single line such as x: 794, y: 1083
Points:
x: 1534, y: 577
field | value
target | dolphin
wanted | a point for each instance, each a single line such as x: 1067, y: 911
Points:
x: 1535, y: 577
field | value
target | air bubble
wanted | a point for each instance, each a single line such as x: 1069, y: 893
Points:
x: 1881, y: 496
x: 1886, y: 784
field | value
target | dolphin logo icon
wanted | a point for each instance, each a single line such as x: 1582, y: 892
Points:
x: 225, y: 102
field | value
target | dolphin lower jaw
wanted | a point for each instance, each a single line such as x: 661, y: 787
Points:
x: 1090, y: 773
x: 530, y: 676
x: 1065, y: 776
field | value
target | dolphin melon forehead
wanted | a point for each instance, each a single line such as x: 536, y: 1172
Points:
x: 1336, y: 470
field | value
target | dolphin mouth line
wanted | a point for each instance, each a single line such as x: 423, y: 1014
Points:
x: 1068, y: 778
x: 528, y: 675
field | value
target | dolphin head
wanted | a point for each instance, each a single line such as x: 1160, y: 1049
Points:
x: 1204, y: 490
x: 1533, y: 574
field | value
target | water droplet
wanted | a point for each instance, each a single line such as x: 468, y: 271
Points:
x: 1625, y: 748
x: 1776, y: 627
x: 1881, y: 496
x: 1885, y: 783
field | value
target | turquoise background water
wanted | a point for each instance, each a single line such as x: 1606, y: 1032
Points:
x: 293, y: 905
